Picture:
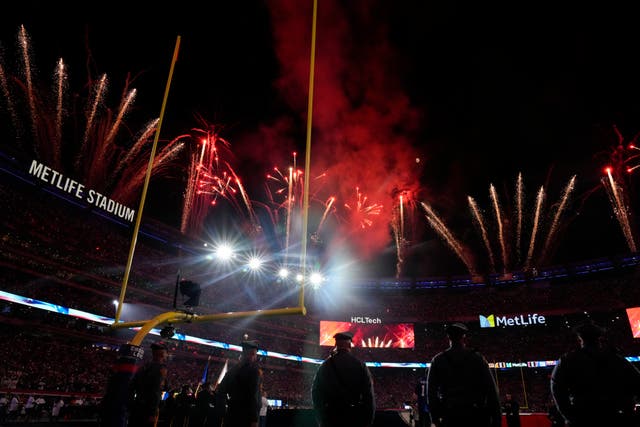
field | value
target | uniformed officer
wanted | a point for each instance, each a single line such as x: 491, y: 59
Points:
x: 242, y: 385
x: 342, y: 389
x: 461, y: 391
x: 146, y: 388
x: 594, y: 385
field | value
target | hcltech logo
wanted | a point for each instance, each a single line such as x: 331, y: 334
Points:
x: 487, y: 322
x: 365, y: 319
x: 492, y: 321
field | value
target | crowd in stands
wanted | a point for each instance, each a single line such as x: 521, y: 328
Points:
x: 57, y: 355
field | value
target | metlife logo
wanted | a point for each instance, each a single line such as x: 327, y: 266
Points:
x: 492, y: 321
x: 487, y: 322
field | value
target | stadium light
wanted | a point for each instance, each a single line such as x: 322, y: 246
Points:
x: 254, y: 263
x: 224, y: 252
x: 316, y: 279
x: 283, y: 273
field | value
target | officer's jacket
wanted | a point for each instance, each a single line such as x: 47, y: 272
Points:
x: 343, y: 385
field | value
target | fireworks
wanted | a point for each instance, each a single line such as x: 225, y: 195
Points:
x: 362, y: 211
x: 370, y: 209
x: 286, y: 198
x: 403, y: 225
x: 335, y: 218
x: 503, y: 238
x: 441, y: 228
x: 211, y: 177
x: 107, y: 156
x: 483, y: 230
x: 623, y: 162
x: 285, y: 193
x: 621, y: 208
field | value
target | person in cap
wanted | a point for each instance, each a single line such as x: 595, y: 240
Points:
x: 342, y: 388
x: 461, y: 391
x: 594, y: 385
x: 146, y: 388
x: 242, y: 385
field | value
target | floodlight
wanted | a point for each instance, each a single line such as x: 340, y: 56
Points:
x: 283, y: 273
x: 254, y: 263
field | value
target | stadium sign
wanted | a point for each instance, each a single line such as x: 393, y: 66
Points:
x: 493, y: 321
x: 366, y: 320
x: 73, y: 187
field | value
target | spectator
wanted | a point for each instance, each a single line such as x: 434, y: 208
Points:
x: 264, y: 409
x: 593, y: 385
x: 56, y: 409
x: 146, y: 388
x: 342, y: 389
x: 4, y: 403
x: 460, y: 389
x: 40, y: 406
x: 14, y: 406
x: 29, y: 407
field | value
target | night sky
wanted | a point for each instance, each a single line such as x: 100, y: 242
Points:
x: 477, y: 92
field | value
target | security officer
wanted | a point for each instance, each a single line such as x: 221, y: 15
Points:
x: 593, y: 385
x: 342, y: 389
x: 461, y: 391
x: 146, y: 388
x: 242, y: 386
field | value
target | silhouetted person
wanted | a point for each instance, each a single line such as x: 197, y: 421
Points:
x: 511, y: 411
x: 342, y: 389
x: 242, y: 387
x: 216, y: 415
x: 203, y: 405
x: 57, y: 409
x: 593, y: 385
x: 424, y: 418
x: 146, y: 388
x: 184, y: 401
x: 168, y: 408
x: 461, y: 391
